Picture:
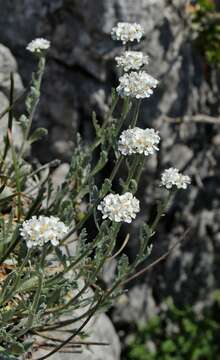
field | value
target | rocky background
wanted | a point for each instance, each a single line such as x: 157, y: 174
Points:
x: 185, y: 108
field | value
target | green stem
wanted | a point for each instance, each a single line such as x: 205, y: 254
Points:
x: 90, y: 212
x: 140, y: 167
x: 18, y: 278
x: 10, y: 118
x: 126, y: 108
x: 76, y: 332
x: 105, y: 122
x: 11, y: 107
x: 135, y: 171
x: 71, y: 266
x: 160, y: 210
x: 116, y: 168
x: 13, y: 243
x: 125, y: 111
x: 36, y: 88
x: 37, y: 296
x: 136, y: 114
x: 17, y: 177
x: 33, y: 311
x: 116, y: 227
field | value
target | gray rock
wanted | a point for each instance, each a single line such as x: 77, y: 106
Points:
x: 101, y: 330
x: 80, y: 62
x: 137, y: 306
x: 16, y: 131
x: 59, y: 174
x: 8, y: 65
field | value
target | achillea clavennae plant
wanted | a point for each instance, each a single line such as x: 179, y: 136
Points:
x: 38, y: 268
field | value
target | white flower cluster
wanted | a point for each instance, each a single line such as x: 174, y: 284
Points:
x: 126, y: 32
x: 119, y: 208
x: 44, y: 229
x: 38, y: 45
x: 138, y: 141
x: 172, y: 177
x: 132, y: 60
x: 136, y: 84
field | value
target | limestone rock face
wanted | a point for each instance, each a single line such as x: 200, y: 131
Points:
x: 8, y: 65
x: 16, y: 132
x: 81, y: 60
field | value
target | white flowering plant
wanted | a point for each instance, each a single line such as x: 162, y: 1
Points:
x: 54, y: 244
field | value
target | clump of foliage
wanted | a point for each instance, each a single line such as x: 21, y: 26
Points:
x: 178, y: 334
x: 206, y: 29
x: 49, y: 257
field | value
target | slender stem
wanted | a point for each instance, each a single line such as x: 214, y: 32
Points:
x: 37, y: 296
x: 125, y: 111
x: 30, y: 320
x: 71, y: 266
x: 17, y: 176
x: 75, y: 333
x: 164, y: 256
x: 116, y: 168
x: 135, y: 171
x: 63, y: 323
x: 136, y: 114
x: 116, y: 227
x: 13, y: 243
x: 18, y: 278
x: 140, y: 167
x: 52, y: 163
x: 99, y: 303
x: 106, y: 121
x: 160, y: 210
x: 10, y: 118
x: 111, y: 110
x: 126, y: 108
x: 90, y: 212
x: 71, y: 343
x: 10, y: 107
x: 36, y: 88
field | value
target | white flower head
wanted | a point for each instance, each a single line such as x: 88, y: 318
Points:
x: 126, y: 32
x: 138, y: 85
x: 38, y: 45
x: 172, y: 177
x: 119, y: 208
x: 41, y: 230
x: 132, y: 60
x: 138, y: 141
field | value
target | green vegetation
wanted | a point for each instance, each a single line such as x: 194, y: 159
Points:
x: 206, y: 27
x: 179, y: 334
